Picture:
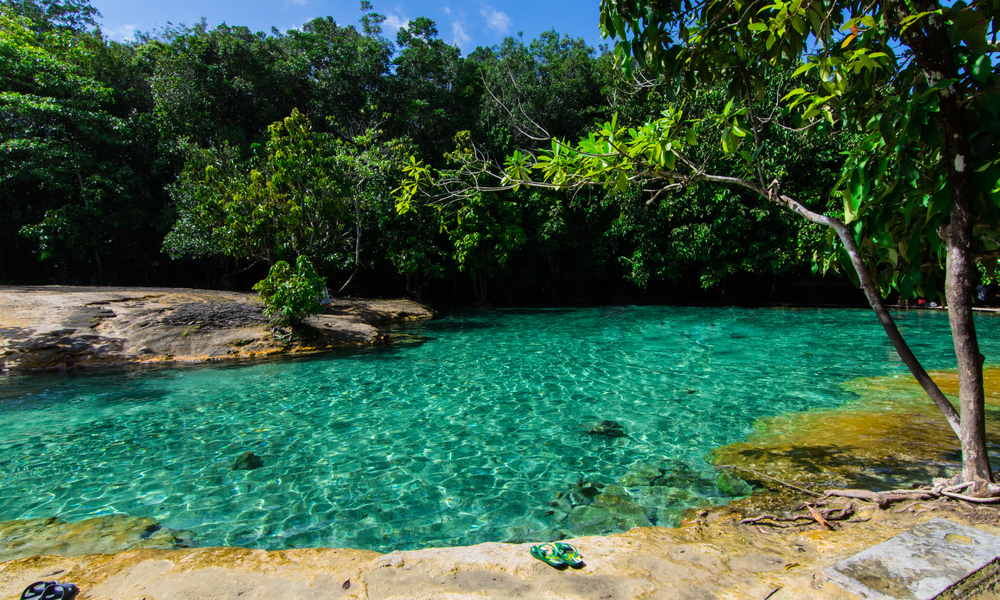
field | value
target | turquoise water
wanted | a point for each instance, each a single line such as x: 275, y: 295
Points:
x: 465, y: 438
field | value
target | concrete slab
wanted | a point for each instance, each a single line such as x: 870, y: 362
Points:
x: 918, y: 564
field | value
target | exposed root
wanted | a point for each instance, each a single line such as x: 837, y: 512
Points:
x: 942, y: 489
x: 883, y: 499
x: 989, y: 500
x: 815, y: 514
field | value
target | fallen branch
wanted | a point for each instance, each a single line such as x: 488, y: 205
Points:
x: 818, y: 517
x: 776, y: 521
x: 840, y: 514
x: 823, y: 517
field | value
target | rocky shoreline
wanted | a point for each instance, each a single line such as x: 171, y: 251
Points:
x: 52, y: 328
x: 891, y: 437
x: 711, y: 557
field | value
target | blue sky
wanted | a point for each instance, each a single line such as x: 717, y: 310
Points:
x: 466, y: 24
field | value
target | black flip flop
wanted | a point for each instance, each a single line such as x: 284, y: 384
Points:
x: 61, y: 591
x: 36, y: 590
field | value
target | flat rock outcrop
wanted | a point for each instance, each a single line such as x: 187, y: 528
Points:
x: 45, y: 328
x: 711, y: 558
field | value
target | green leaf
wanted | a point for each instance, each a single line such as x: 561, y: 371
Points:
x: 852, y: 204
x: 982, y: 69
x: 803, y: 68
x: 727, y: 141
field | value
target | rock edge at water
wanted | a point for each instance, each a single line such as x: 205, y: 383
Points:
x: 712, y: 557
x: 49, y: 328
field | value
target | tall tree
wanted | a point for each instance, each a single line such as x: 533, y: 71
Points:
x: 66, y: 160
x: 917, y: 82
x: 304, y: 193
x: 432, y: 89
x: 46, y: 15
x: 337, y: 73
x: 217, y: 85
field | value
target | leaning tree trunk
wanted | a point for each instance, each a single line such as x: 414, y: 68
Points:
x: 869, y: 288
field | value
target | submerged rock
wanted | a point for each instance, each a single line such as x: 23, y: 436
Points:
x: 248, y: 461
x: 644, y: 474
x: 669, y: 472
x: 888, y: 437
x: 100, y: 535
x: 731, y: 485
x: 608, y: 513
x: 606, y: 428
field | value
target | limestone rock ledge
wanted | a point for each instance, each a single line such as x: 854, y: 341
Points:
x: 46, y: 328
x: 711, y: 558
x: 99, y: 535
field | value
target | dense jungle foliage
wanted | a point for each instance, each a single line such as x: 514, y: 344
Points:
x: 200, y: 156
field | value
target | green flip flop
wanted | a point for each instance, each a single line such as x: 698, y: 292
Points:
x: 569, y: 555
x: 548, y: 554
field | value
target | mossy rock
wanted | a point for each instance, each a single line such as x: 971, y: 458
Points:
x: 669, y: 472
x: 606, y: 429
x: 611, y: 515
x: 643, y: 474
x: 663, y: 496
x: 732, y: 486
x: 247, y: 462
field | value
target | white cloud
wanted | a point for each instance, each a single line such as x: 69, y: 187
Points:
x: 446, y: 10
x: 122, y: 33
x: 459, y: 36
x: 497, y: 20
x: 394, y: 22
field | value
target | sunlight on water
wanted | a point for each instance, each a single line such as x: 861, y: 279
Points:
x: 479, y: 434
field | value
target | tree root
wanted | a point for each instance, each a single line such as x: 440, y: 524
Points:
x: 941, y: 489
x: 816, y: 515
x: 883, y: 499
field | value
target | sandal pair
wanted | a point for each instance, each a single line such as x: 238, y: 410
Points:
x: 50, y: 590
x: 558, y: 554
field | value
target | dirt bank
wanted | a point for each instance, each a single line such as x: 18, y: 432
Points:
x: 47, y: 328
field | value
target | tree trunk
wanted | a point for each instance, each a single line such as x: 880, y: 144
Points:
x: 959, y: 286
x: 937, y: 59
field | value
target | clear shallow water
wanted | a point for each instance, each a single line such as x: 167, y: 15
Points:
x: 463, y: 439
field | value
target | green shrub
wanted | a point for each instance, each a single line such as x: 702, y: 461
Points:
x: 290, y: 296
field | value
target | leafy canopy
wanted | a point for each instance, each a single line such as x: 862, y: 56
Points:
x: 301, y: 194
x: 889, y: 70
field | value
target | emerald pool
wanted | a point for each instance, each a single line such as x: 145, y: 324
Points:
x: 467, y: 437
